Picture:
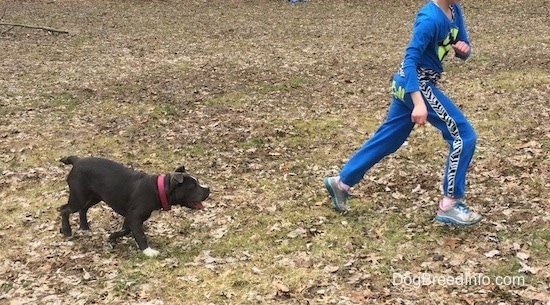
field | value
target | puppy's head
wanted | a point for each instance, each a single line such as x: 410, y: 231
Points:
x: 186, y: 190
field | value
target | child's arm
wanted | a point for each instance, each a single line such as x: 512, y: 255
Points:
x: 462, y: 46
x: 422, y: 34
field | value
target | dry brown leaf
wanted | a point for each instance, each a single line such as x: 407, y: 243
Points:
x: 372, y: 257
x: 492, y: 253
x: 296, y: 233
x: 219, y: 233
x: 468, y: 300
x: 281, y: 287
x: 451, y: 242
x: 529, y: 144
x: 379, y: 233
x: 534, y: 295
x: 527, y: 269
x: 523, y: 255
x: 331, y: 269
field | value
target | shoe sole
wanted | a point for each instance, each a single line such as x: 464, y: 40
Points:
x: 444, y: 219
x: 332, y: 196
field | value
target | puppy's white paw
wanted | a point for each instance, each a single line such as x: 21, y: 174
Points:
x: 151, y: 252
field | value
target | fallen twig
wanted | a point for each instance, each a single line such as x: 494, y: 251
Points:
x: 35, y: 27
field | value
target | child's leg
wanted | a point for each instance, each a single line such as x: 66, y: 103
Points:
x: 457, y: 131
x: 386, y: 140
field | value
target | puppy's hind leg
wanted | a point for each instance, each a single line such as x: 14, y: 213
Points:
x: 65, y: 211
x: 115, y: 235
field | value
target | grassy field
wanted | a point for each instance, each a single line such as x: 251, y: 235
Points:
x: 261, y: 100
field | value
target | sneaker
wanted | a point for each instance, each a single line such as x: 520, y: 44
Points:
x: 338, y: 196
x: 459, y: 215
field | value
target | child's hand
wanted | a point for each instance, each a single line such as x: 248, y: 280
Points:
x: 461, y: 48
x: 419, y: 114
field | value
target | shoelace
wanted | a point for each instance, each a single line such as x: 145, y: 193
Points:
x: 462, y: 208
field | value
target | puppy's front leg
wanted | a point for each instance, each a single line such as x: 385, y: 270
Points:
x: 82, y: 214
x: 136, y: 225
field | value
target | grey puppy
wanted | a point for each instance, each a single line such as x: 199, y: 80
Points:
x: 132, y: 194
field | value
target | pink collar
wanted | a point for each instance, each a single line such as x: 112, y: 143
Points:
x: 162, y: 193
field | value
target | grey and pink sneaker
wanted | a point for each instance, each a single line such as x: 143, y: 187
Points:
x: 459, y: 215
x: 338, y: 196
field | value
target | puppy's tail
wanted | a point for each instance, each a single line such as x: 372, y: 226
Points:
x: 70, y: 159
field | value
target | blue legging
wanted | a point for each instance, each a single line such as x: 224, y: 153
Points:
x: 444, y: 115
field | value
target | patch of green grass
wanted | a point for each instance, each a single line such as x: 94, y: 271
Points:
x: 81, y: 41
x: 193, y: 150
x: 238, y: 239
x: 6, y: 286
x: 510, y: 80
x: 64, y: 100
x: 181, y: 67
x: 506, y: 268
x: 310, y: 127
x: 543, y: 234
x: 304, y: 132
x: 254, y: 142
x: 286, y: 86
x: 481, y: 58
x: 167, y: 110
x: 235, y: 100
x: 540, y: 242
x: 452, y: 69
x: 129, y: 282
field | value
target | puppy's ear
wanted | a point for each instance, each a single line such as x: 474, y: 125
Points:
x: 177, y: 176
x: 181, y: 169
